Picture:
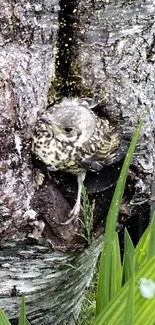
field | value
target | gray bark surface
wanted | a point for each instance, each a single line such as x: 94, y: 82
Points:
x: 116, y: 54
x: 53, y: 282
x: 114, y: 51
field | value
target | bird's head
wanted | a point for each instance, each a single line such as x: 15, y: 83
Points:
x: 49, y: 125
x: 62, y: 130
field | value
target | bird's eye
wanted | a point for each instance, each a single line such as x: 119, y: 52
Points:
x: 68, y: 130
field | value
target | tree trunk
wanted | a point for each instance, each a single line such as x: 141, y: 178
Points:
x: 100, y: 49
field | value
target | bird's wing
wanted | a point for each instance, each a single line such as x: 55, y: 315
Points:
x: 107, y: 154
x: 96, y: 164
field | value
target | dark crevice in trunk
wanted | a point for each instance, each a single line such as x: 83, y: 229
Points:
x: 66, y: 68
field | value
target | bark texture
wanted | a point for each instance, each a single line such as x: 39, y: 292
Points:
x: 120, y: 37
x: 109, y: 53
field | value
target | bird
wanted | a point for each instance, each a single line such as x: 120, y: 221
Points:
x: 69, y: 136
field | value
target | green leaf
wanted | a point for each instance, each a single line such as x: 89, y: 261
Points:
x: 151, y: 246
x: 142, y: 246
x: 3, y: 318
x: 144, y: 311
x: 129, y: 309
x: 115, y: 272
x: 129, y: 255
x: 116, y: 269
x: 22, y: 312
x: 104, y: 281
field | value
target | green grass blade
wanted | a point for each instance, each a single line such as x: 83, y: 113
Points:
x: 142, y: 246
x: 103, y: 288
x: 27, y: 322
x: 104, y: 281
x: 129, y: 256
x: 116, y: 270
x: 22, y: 312
x: 144, y: 311
x: 3, y: 318
x: 129, y: 309
x: 117, y: 197
x: 151, y: 246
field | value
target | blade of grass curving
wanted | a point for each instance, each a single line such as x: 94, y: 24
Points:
x: 129, y: 256
x: 104, y: 280
x: 116, y: 270
x: 129, y: 309
x: 151, y: 246
x: 27, y: 322
x: 3, y: 318
x: 22, y: 312
x: 142, y: 246
x: 144, y: 311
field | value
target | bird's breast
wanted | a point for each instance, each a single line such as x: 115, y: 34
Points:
x: 56, y: 153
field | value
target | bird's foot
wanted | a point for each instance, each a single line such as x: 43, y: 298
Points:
x: 73, y: 215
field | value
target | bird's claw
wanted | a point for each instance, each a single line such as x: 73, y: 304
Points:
x: 74, y: 214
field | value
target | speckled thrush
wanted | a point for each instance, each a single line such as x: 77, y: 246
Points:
x: 69, y: 136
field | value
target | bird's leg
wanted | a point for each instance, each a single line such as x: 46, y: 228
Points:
x: 76, y: 209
